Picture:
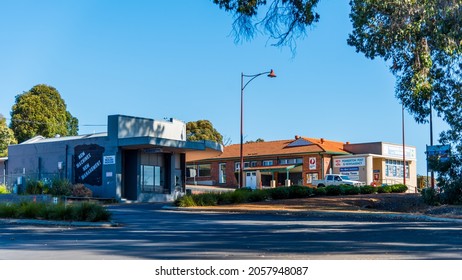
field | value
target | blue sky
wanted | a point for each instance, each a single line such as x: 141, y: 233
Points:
x: 177, y: 59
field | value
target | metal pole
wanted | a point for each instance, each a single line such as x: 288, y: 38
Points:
x: 404, y: 147
x: 432, y: 173
x: 241, y: 167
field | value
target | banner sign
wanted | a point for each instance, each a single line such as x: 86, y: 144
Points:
x: 350, y: 162
x: 88, y: 164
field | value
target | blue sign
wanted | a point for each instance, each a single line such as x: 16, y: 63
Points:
x: 348, y: 169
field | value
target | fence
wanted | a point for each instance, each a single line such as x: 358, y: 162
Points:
x: 15, y: 181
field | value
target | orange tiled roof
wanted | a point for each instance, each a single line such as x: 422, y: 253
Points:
x: 283, y: 147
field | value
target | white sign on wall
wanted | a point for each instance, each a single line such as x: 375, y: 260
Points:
x: 348, y: 162
x: 397, y: 151
x: 312, y: 163
x: 109, y: 160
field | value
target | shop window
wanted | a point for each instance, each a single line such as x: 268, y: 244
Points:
x: 152, y: 179
x: 394, y: 168
x: 204, y: 170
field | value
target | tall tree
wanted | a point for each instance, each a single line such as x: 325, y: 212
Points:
x: 203, y: 130
x: 284, y: 21
x: 6, y: 137
x: 41, y: 111
x: 422, y: 41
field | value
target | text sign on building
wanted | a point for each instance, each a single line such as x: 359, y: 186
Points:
x: 312, y: 163
x: 108, y: 160
x: 349, y: 162
x: 397, y: 151
x: 88, y: 165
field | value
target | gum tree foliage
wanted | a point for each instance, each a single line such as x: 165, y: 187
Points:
x: 422, y: 42
x: 6, y: 137
x: 203, y: 130
x: 41, y: 111
x: 284, y: 21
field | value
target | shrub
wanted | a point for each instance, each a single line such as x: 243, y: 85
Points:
x: 86, y: 211
x: 238, y: 196
x: 31, y: 210
x: 300, y: 192
x: 334, y: 190
x: 350, y: 190
x: 320, y: 191
x: 398, y: 188
x: 89, y: 212
x: 430, y: 196
x: 7, y: 211
x: 185, y: 201
x: 279, y: 193
x: 367, y: 190
x: 4, y: 189
x: 34, y: 187
x: 60, y: 187
x: 257, y: 195
x: 384, y: 189
x: 80, y: 190
x: 206, y: 199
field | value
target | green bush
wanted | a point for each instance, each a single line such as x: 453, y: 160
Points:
x: 89, y: 212
x: 334, y: 190
x: 398, y: 188
x: 368, y: 189
x: 384, y: 189
x: 7, y: 210
x: 60, y: 187
x: 350, y: 190
x: 279, y: 193
x: 430, y: 196
x: 320, y: 191
x: 4, y: 189
x: 86, y: 211
x: 34, y: 187
x: 185, y: 201
x: 300, y: 192
x: 257, y: 195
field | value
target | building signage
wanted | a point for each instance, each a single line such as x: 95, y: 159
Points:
x: 397, y: 151
x: 348, y: 169
x: 108, y: 160
x: 349, y: 162
x: 312, y: 163
x: 88, y: 165
x: 353, y: 175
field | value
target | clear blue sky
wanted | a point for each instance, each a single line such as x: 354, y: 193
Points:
x: 177, y: 59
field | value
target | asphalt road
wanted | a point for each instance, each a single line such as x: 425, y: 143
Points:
x: 150, y: 232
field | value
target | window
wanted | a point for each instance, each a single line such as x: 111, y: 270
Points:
x: 394, y: 168
x: 204, y: 170
x: 253, y: 163
x: 222, y: 173
x: 152, y: 179
x: 267, y: 162
x: 290, y: 161
x: 238, y: 164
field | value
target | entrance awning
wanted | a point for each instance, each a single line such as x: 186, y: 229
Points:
x: 273, y: 168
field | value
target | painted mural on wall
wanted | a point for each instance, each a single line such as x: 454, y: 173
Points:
x: 88, y: 164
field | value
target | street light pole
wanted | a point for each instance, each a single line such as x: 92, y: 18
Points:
x: 252, y: 77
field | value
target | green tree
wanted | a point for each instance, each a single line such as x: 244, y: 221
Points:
x: 284, y: 20
x: 422, y: 42
x: 256, y: 141
x: 41, y: 111
x: 6, y: 137
x: 203, y: 130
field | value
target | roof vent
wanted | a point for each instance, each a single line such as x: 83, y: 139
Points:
x: 297, y: 136
x: 322, y: 140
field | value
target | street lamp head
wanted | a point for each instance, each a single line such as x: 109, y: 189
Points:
x: 271, y: 74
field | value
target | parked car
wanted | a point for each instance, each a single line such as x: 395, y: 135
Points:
x: 337, y: 179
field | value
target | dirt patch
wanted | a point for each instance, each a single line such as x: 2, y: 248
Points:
x: 401, y: 203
